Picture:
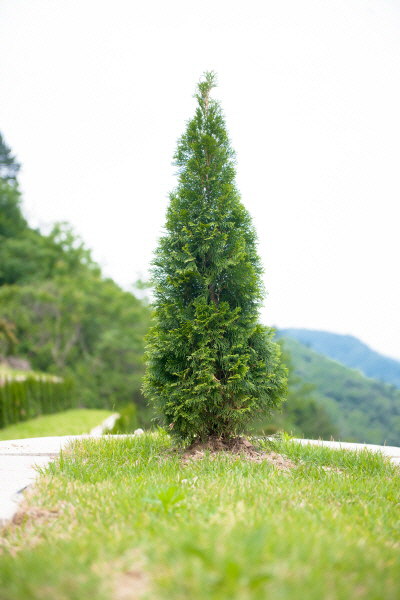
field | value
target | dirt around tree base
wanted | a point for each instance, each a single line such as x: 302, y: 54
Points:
x: 240, y: 445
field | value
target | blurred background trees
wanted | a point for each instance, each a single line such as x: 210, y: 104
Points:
x: 9, y: 166
x: 58, y: 312
x: 302, y: 415
x: 68, y: 319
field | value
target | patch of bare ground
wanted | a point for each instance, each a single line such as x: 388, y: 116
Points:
x: 37, y: 514
x: 130, y: 585
x: 26, y: 525
x: 127, y: 575
x: 235, y: 446
x: 333, y: 469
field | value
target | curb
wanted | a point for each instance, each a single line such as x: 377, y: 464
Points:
x: 392, y: 452
x: 19, y: 457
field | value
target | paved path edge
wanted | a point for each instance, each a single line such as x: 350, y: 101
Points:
x: 18, y: 459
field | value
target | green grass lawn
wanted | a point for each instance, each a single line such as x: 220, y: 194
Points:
x: 69, y: 422
x: 125, y: 518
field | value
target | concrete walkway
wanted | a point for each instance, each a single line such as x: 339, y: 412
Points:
x: 391, y: 451
x: 19, y: 457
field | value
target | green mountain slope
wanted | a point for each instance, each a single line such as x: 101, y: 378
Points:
x: 364, y: 410
x: 349, y: 351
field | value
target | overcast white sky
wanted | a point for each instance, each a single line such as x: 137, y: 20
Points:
x: 95, y: 94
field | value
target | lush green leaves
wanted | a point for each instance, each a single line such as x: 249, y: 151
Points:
x: 210, y: 366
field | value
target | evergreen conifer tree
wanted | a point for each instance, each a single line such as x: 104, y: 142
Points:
x: 211, y: 368
x: 9, y: 167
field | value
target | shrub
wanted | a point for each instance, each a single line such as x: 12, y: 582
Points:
x: 25, y: 399
x: 211, y: 367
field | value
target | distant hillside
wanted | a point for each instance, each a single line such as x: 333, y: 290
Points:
x: 349, y: 351
x: 364, y: 410
x: 59, y: 313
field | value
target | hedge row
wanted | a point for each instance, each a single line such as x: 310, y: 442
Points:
x: 23, y: 400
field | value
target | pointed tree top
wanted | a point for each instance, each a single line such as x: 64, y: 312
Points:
x: 205, y: 87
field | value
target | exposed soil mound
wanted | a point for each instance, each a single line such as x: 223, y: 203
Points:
x: 197, y: 450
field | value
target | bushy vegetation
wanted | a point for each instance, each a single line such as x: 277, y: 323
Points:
x: 66, y: 318
x: 82, y: 325
x: 128, y: 518
x: 33, y: 396
x: 302, y: 415
x: 211, y: 367
x: 363, y: 410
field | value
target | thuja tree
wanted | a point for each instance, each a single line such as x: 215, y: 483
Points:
x: 211, y: 367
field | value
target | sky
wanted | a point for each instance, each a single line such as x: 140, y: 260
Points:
x: 94, y: 95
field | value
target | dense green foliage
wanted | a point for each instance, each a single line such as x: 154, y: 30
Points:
x: 210, y: 366
x: 127, y: 518
x: 9, y: 166
x: 84, y: 326
x: 68, y: 319
x: 30, y: 397
x: 301, y: 415
x: 349, y: 351
x: 362, y: 409
x: 12, y: 222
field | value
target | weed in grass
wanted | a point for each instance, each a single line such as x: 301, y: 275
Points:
x: 168, y: 499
